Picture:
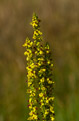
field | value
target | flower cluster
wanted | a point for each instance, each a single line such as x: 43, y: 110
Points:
x: 31, y: 76
x: 39, y: 74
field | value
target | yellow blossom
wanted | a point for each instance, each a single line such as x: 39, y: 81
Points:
x: 50, y: 82
x: 40, y: 94
x: 51, y: 98
x: 41, y: 52
x: 43, y: 88
x: 30, y: 107
x: 48, y: 61
x: 31, y: 113
x: 51, y: 64
x: 47, y: 51
x: 29, y: 83
x: 51, y: 109
x: 46, y: 112
x: 34, y: 116
x: 41, y: 59
x: 42, y: 80
x: 30, y: 118
x: 52, y: 118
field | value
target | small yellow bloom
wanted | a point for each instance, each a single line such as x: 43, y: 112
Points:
x: 50, y: 82
x: 37, y: 43
x: 42, y: 80
x: 46, y: 112
x: 32, y: 94
x: 41, y: 59
x: 29, y: 83
x: 27, y: 58
x: 30, y: 118
x: 35, y: 116
x: 42, y: 104
x: 31, y: 113
x: 51, y: 64
x: 25, y: 53
x: 36, y: 52
x: 41, y: 101
x: 48, y: 61
x: 34, y: 37
x: 34, y: 108
x: 25, y: 44
x: 40, y: 94
x: 39, y: 64
x: 47, y: 51
x: 51, y: 109
x: 52, y: 118
x: 41, y: 52
x: 43, y: 69
x: 51, y: 98
x: 30, y: 107
x: 47, y: 101
x: 47, y: 79
x: 43, y: 88
x: 30, y: 100
x: 39, y: 88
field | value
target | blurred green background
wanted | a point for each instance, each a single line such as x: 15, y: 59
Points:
x: 60, y: 27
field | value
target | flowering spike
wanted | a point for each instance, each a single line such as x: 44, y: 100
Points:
x: 39, y: 76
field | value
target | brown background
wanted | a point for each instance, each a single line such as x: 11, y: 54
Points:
x: 60, y: 27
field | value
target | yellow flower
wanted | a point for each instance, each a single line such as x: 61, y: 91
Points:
x: 41, y: 52
x: 47, y: 51
x: 43, y: 69
x: 47, y: 79
x: 51, y: 109
x: 30, y: 107
x: 50, y: 82
x: 37, y: 32
x: 32, y: 94
x: 37, y: 43
x: 48, y: 61
x: 27, y: 58
x: 30, y: 118
x: 36, y: 52
x: 43, y: 88
x: 39, y: 64
x: 39, y: 88
x: 51, y: 64
x: 35, y: 116
x: 42, y: 80
x: 31, y: 113
x: 52, y: 118
x: 46, y: 111
x: 30, y: 100
x: 25, y: 44
x: 41, y: 101
x: 34, y: 109
x: 26, y: 53
x: 47, y: 101
x: 51, y: 98
x: 33, y: 24
x: 42, y: 104
x: 41, y: 59
x: 32, y: 65
x: 40, y: 94
x: 29, y: 83
x: 34, y: 37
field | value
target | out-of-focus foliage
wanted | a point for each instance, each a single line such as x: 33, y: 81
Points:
x: 60, y: 26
